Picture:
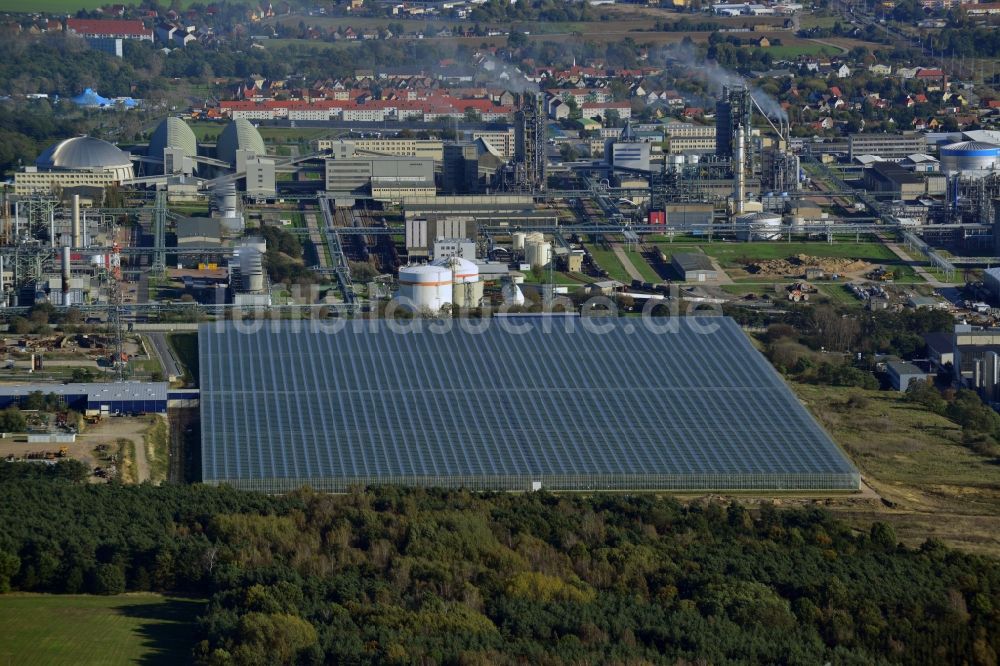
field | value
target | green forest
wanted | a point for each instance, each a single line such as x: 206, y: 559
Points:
x: 395, y: 575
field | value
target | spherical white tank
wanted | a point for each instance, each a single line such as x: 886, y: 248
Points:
x: 538, y: 254
x: 517, y: 240
x: 426, y: 286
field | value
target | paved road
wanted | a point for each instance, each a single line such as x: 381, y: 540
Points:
x: 909, y: 261
x: 158, y: 341
x: 626, y: 263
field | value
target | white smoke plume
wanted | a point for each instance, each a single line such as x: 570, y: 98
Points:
x: 499, y: 74
x: 717, y: 77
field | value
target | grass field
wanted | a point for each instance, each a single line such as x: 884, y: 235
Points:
x: 914, y: 460
x: 208, y: 132
x: 595, y: 32
x: 69, y: 6
x: 731, y: 255
x: 728, y: 254
x: 156, y: 442
x: 77, y: 630
x: 607, y: 260
x: 185, y: 346
x: 791, y: 51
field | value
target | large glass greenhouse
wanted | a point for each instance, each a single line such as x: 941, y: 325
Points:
x: 519, y: 404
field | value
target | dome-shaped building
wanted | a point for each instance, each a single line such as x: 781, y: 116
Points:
x: 80, y: 161
x: 86, y: 152
x: 238, y: 140
x: 175, y: 144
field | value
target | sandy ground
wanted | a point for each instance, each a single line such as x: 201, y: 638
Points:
x: 106, y: 432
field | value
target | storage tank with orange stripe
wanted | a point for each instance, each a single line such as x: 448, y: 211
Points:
x: 467, y: 289
x: 426, y: 286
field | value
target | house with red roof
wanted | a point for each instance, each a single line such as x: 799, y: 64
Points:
x: 108, y: 34
x: 109, y: 29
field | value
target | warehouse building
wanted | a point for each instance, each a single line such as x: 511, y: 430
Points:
x: 901, y: 374
x: 199, y: 232
x: 886, y: 146
x: 400, y: 147
x: 109, y: 398
x: 385, y: 178
x: 901, y: 183
x: 693, y: 267
x: 545, y: 406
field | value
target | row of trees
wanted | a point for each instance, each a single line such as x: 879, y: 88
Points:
x: 980, y: 423
x: 421, y: 576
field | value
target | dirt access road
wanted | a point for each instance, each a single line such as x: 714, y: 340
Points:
x: 121, y: 427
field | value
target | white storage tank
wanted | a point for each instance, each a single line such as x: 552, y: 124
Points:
x: 466, y: 289
x: 512, y: 294
x: 972, y: 158
x: 517, y: 240
x: 758, y: 226
x: 533, y: 237
x: 426, y: 286
x: 538, y: 254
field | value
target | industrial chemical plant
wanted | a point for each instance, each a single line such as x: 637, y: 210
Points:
x: 372, y: 222
x: 426, y: 212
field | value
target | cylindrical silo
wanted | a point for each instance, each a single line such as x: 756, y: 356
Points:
x: 252, y: 270
x: 517, y: 240
x: 538, y: 254
x: 467, y: 289
x: 970, y: 158
x: 533, y: 237
x: 66, y: 259
x: 426, y: 286
x: 75, y: 222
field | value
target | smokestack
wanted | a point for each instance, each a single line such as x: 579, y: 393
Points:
x: 77, y: 242
x: 3, y: 299
x: 65, y: 273
x: 738, y: 157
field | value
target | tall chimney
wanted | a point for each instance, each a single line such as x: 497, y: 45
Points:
x: 65, y: 273
x: 77, y: 241
x: 738, y: 156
